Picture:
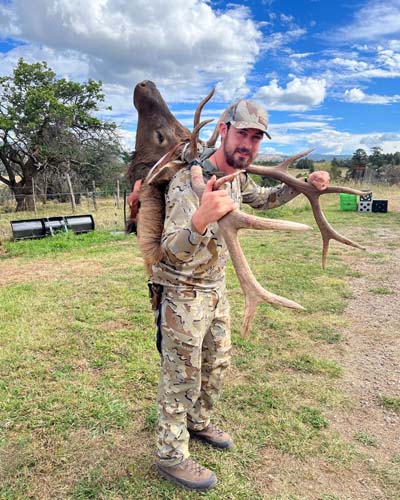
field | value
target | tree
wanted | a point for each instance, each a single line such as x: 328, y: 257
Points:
x: 48, y: 124
x: 377, y: 158
x: 359, y: 157
x: 336, y: 169
x: 306, y: 164
x: 358, y: 164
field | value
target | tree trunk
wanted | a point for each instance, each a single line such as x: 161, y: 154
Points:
x: 23, y: 192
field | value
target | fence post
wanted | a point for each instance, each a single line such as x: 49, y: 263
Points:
x: 124, y: 208
x: 94, y: 196
x: 71, y: 193
x: 118, y: 193
x: 34, y: 196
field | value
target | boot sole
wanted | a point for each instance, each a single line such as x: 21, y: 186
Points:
x: 188, y: 484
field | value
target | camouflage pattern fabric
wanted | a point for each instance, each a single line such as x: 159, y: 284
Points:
x: 195, y: 350
x: 247, y: 114
x: 200, y: 260
x: 193, y: 316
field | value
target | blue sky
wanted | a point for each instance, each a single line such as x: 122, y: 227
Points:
x: 327, y: 72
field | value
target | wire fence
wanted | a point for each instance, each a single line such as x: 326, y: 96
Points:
x: 108, y: 209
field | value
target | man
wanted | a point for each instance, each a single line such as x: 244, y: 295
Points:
x: 193, y: 311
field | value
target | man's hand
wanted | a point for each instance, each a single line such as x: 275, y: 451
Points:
x: 213, y: 206
x: 133, y: 199
x: 319, y: 179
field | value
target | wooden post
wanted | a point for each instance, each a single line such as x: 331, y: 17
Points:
x: 88, y: 198
x: 124, y: 208
x: 33, y: 195
x: 117, y: 193
x: 45, y: 187
x: 71, y: 192
x: 94, y: 196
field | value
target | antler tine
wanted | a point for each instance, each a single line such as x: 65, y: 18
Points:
x: 312, y: 193
x: 327, y: 231
x: 200, y: 107
x: 213, y: 139
x: 253, y: 291
x: 194, y: 138
x: 153, y: 176
x: 286, y: 163
x: 229, y: 226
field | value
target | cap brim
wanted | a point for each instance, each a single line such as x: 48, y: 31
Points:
x: 250, y: 125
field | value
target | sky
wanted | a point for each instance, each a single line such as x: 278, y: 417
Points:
x: 328, y: 72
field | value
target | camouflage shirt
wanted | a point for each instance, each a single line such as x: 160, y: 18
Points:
x: 199, y: 260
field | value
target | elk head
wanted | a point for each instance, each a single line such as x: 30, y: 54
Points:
x: 158, y: 131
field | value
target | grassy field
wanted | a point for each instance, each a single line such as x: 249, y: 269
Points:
x: 107, y: 214
x: 79, y: 368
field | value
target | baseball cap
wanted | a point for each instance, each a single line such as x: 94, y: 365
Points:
x: 247, y: 114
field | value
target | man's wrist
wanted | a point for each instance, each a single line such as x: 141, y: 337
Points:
x: 198, y: 225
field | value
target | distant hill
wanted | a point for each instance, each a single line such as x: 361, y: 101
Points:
x: 314, y: 157
x: 317, y: 157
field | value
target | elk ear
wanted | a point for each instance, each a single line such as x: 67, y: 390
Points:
x: 160, y: 137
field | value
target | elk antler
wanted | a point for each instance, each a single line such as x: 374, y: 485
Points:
x: 312, y: 193
x: 229, y: 226
x: 200, y: 107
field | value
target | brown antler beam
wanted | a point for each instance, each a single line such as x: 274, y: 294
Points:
x: 229, y: 226
x: 312, y: 193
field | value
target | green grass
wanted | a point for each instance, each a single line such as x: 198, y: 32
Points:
x: 381, y: 291
x: 79, y: 369
x: 61, y: 242
x: 365, y: 439
x: 391, y: 402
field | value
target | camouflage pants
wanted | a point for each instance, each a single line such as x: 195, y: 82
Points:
x: 195, y: 353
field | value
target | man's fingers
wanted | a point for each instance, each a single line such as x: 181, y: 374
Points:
x: 210, y: 184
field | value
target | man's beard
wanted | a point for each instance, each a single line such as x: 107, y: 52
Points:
x: 235, y: 161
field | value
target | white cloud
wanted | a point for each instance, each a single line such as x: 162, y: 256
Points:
x: 286, y: 19
x: 328, y: 140
x: 300, y: 94
x: 382, y: 61
x: 67, y: 64
x: 299, y: 125
x: 356, y: 95
x: 390, y: 143
x: 313, y: 117
x: 301, y: 55
x: 389, y: 59
x: 279, y: 39
x: 373, y: 21
x: 127, y: 138
x: 351, y: 64
x: 182, y: 47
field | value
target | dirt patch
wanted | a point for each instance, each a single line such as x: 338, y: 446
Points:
x: 14, y: 272
x: 370, y: 357
x: 316, y: 479
x: 71, y: 468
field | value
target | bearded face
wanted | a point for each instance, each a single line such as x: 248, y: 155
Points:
x: 241, y: 146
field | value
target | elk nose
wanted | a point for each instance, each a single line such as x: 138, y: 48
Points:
x: 146, y: 84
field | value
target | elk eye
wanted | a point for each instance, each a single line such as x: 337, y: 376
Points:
x: 160, y: 137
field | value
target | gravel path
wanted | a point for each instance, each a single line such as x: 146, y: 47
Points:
x: 369, y: 354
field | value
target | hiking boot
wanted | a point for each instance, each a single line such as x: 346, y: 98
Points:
x: 214, y: 436
x: 189, y: 474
